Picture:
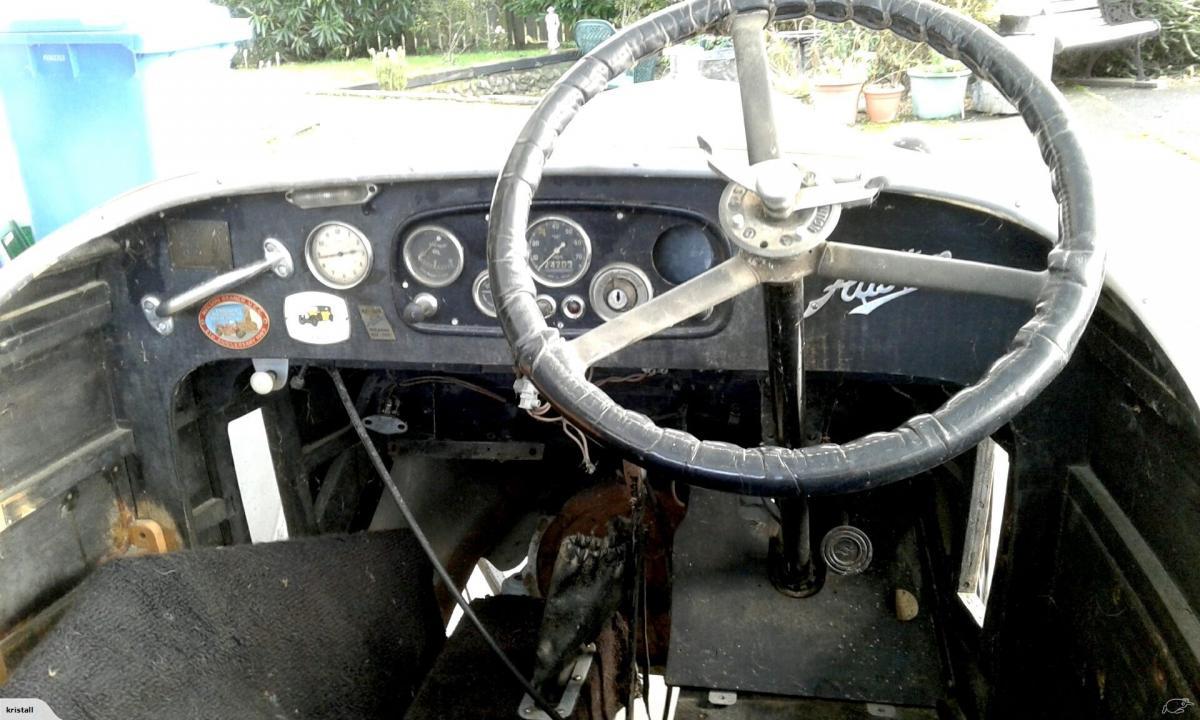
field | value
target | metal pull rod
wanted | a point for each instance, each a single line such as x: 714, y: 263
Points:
x: 159, y: 312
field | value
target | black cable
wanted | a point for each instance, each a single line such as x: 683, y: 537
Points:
x: 644, y: 501
x: 645, y: 635
x: 423, y: 541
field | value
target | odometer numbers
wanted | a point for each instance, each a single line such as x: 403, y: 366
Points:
x: 560, y: 252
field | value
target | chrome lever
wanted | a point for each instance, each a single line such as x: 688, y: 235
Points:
x: 159, y: 312
x: 785, y: 188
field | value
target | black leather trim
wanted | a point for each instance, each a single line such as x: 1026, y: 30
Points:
x: 1037, y: 354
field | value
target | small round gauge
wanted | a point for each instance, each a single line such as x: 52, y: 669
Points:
x: 433, y: 256
x: 339, y: 255
x: 481, y: 292
x: 559, y: 251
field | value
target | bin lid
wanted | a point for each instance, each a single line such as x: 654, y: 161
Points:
x: 143, y: 26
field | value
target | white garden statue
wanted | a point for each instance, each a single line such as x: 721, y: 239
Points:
x: 553, y: 25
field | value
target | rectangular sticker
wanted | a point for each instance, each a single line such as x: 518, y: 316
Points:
x: 378, y: 327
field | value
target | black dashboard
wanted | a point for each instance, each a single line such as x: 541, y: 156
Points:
x: 593, y: 260
x: 413, y: 298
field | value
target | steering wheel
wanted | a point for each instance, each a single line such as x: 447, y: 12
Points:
x: 780, y: 216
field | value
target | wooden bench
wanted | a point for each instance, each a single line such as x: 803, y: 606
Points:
x: 1095, y: 27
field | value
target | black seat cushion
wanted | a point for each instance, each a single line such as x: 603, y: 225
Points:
x: 331, y: 627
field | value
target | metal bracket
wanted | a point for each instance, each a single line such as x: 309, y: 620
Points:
x: 570, y: 696
x: 159, y: 312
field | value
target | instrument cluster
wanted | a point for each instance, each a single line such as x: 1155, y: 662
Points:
x: 591, y: 263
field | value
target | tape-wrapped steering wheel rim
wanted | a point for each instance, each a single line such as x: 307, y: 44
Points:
x: 1038, y: 352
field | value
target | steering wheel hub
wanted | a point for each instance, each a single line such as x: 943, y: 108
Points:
x: 760, y: 230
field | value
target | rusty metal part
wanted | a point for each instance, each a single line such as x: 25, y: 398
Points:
x: 607, y: 684
x: 586, y: 589
x: 149, y: 529
x: 588, y: 513
x: 148, y: 536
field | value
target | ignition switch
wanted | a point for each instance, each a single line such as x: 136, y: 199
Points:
x: 619, y: 288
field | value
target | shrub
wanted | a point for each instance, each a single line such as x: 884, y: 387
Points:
x: 619, y: 12
x: 1178, y: 46
x: 890, y: 55
x: 319, y: 29
x: 391, y: 68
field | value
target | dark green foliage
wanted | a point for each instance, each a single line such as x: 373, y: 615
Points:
x: 619, y: 12
x: 319, y: 29
x: 1178, y: 47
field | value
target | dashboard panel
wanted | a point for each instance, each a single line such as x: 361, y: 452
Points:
x: 354, y: 296
x: 591, y: 262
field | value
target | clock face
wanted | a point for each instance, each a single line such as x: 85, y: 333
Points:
x: 339, y: 255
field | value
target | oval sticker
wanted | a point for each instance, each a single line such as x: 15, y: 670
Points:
x: 234, y: 321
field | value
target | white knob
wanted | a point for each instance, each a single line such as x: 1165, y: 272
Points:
x: 263, y: 382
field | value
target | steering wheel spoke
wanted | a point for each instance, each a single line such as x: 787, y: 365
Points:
x: 930, y: 272
x: 708, y: 289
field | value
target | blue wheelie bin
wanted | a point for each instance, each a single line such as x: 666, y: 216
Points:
x: 105, y: 95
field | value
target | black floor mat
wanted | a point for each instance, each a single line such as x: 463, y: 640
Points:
x: 468, y: 681
x: 332, y: 627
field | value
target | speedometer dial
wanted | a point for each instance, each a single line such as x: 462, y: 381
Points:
x: 339, y: 255
x: 433, y: 256
x: 559, y: 251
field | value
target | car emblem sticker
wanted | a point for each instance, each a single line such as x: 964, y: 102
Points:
x: 868, y: 296
x: 316, y: 318
x: 234, y: 321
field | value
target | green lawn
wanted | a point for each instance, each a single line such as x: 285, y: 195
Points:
x: 348, y: 73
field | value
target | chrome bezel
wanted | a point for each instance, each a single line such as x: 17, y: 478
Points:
x: 582, y: 307
x: 475, y: 290
x: 314, y: 266
x: 417, y: 275
x: 599, y: 306
x: 587, y: 259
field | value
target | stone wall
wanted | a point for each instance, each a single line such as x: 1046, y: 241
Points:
x: 517, y: 82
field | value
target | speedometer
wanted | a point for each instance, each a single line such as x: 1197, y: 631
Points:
x: 559, y: 251
x: 339, y: 255
x: 433, y: 256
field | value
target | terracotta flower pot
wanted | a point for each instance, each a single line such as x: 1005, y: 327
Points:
x: 836, y: 98
x: 883, y: 102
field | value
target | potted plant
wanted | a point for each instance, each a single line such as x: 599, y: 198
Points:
x: 836, y: 85
x: 883, y: 97
x: 938, y: 89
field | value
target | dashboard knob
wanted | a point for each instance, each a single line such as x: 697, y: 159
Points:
x: 262, y: 382
x: 420, y: 308
x: 547, y: 305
